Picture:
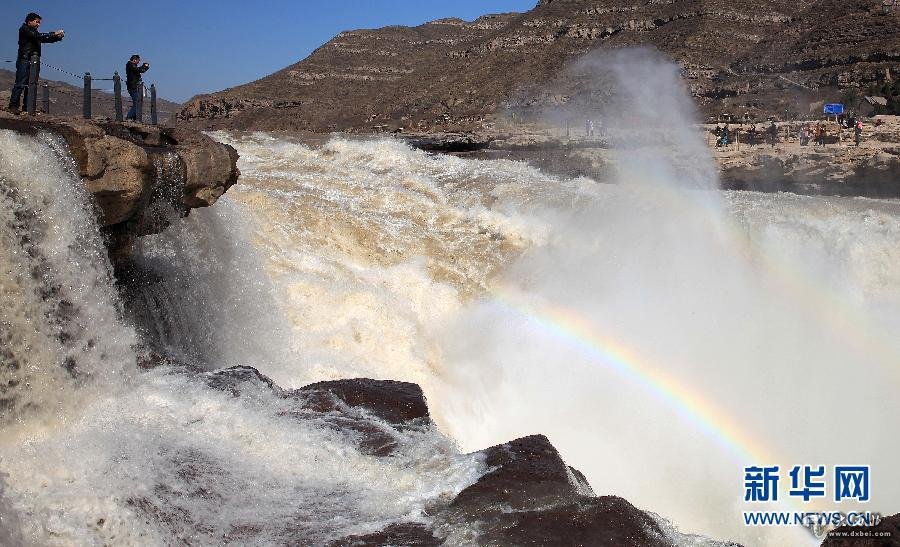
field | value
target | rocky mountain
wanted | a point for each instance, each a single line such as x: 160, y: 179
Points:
x: 760, y: 57
x: 66, y: 99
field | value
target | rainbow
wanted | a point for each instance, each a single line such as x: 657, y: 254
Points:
x: 746, y: 447
x: 691, y: 405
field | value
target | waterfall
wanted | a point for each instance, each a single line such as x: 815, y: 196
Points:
x: 60, y: 322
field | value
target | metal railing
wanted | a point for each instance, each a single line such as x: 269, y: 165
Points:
x: 117, y: 95
x: 87, y: 99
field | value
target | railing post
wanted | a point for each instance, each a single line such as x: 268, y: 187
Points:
x: 140, y: 104
x: 117, y: 90
x: 153, y: 117
x: 86, y: 105
x: 31, y: 99
x: 46, y: 93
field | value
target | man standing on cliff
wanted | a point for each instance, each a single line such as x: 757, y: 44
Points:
x: 134, y: 83
x: 30, y: 41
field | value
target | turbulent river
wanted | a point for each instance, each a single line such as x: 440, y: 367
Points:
x: 663, y: 336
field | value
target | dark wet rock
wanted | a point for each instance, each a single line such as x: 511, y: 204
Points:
x: 449, y: 142
x: 887, y: 532
x: 373, y: 412
x: 524, y: 473
x: 369, y: 437
x: 347, y: 405
x: 527, y: 496
x: 237, y: 379
x: 392, y: 401
x: 530, y: 496
x: 147, y: 359
x: 396, y: 534
x: 606, y: 520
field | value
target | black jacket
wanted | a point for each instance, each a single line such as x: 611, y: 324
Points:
x: 30, y: 41
x: 133, y: 75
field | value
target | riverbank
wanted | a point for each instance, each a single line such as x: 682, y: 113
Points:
x: 871, y: 169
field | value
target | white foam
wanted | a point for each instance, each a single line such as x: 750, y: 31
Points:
x: 777, y: 309
x: 59, y: 310
x: 173, y: 458
x: 369, y: 258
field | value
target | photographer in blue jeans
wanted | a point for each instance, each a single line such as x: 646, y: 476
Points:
x: 30, y: 41
x: 133, y: 73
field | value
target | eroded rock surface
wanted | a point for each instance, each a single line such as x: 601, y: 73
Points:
x: 141, y: 176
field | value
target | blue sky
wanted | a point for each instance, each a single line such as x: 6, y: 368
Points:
x: 198, y: 46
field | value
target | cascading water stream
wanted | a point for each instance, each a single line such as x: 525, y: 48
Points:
x: 662, y: 334
x: 94, y: 452
x: 60, y: 322
x: 663, y: 338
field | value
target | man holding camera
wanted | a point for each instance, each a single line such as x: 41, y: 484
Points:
x: 30, y: 41
x: 133, y: 81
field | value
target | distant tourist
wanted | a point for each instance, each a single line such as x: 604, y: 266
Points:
x: 134, y: 83
x: 820, y: 134
x: 773, y: 133
x: 857, y: 132
x: 751, y: 135
x: 803, y: 135
x: 30, y: 41
x: 724, y: 137
x: 589, y: 128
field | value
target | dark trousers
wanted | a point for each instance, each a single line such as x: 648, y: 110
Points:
x: 20, y: 88
x: 137, y: 97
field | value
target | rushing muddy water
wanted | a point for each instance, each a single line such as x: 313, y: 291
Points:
x: 662, y: 338
x: 662, y: 333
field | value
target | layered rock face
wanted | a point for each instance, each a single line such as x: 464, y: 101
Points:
x: 759, y: 57
x: 141, y: 177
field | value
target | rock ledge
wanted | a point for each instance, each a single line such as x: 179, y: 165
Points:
x: 141, y: 176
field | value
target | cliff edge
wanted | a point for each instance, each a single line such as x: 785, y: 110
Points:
x: 141, y: 177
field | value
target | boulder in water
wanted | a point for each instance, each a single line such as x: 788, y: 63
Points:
x: 527, y: 496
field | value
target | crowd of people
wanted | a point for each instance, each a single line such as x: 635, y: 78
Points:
x: 726, y: 136
x: 817, y: 133
x: 28, y: 59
